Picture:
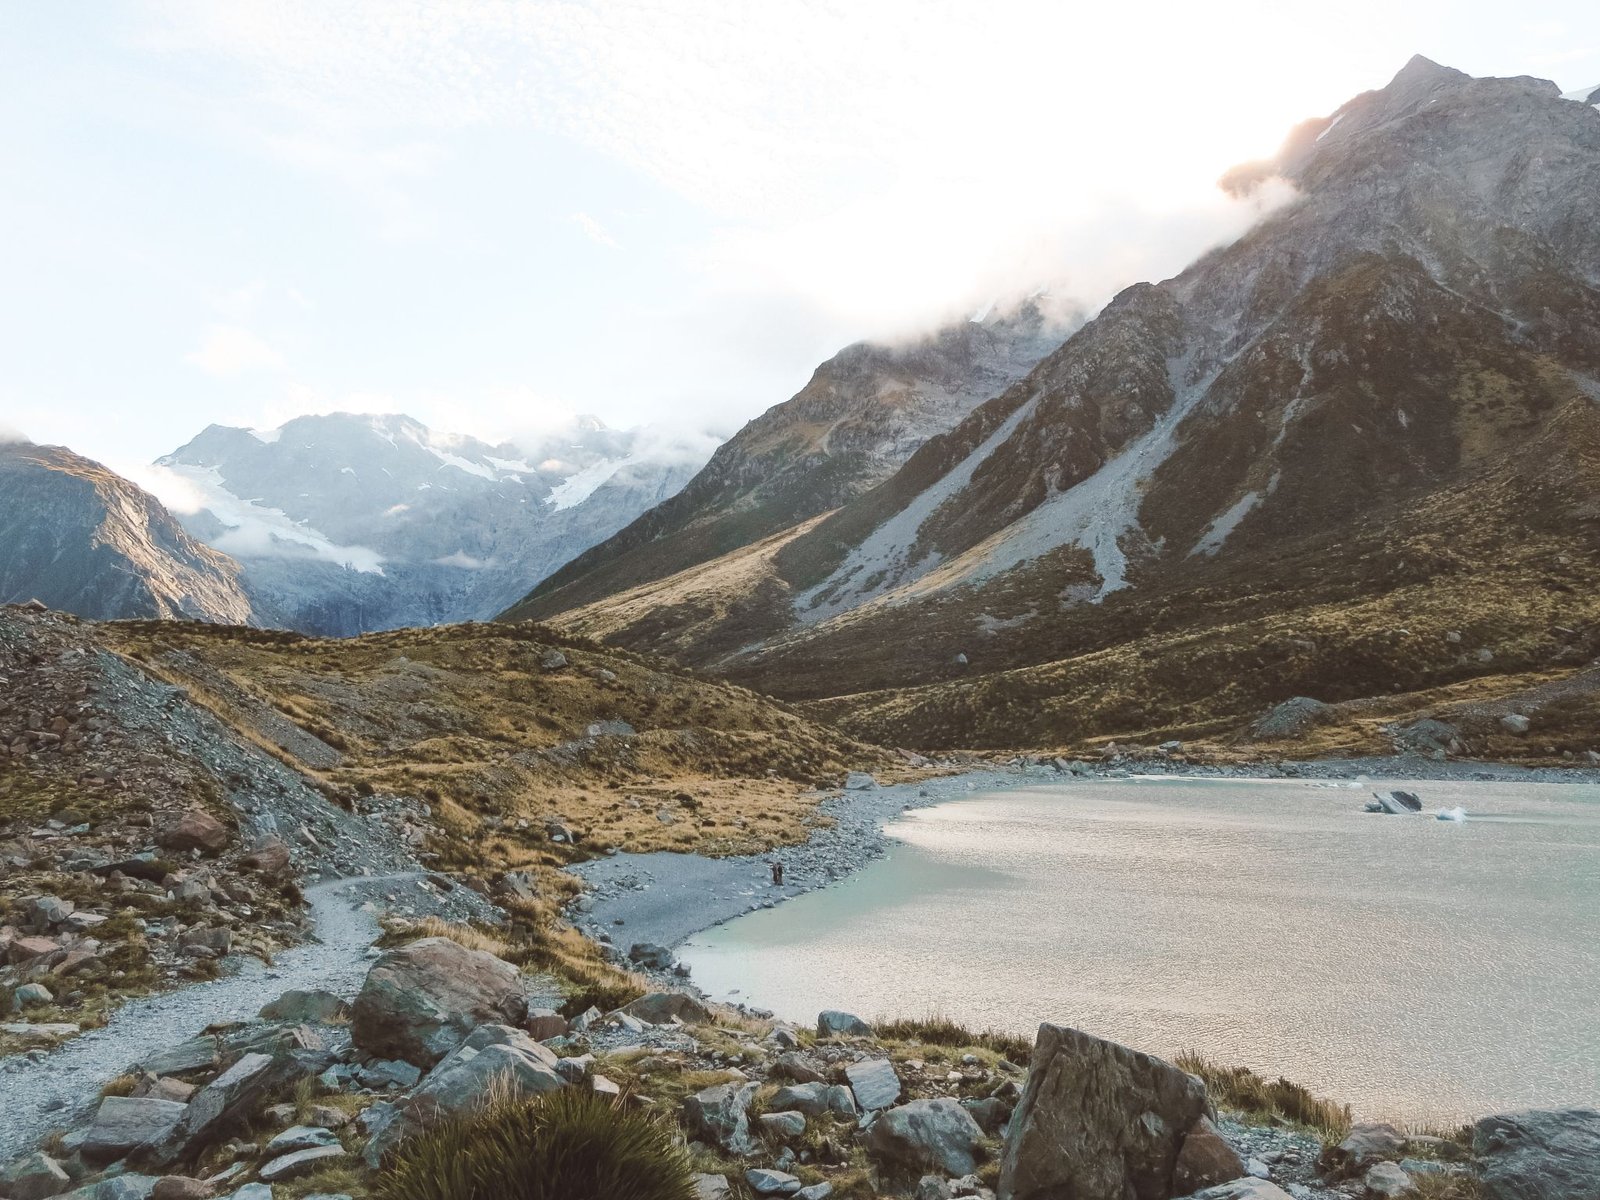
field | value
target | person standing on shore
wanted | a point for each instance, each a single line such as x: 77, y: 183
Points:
x: 777, y: 874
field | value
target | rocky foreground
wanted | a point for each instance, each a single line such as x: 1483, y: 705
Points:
x: 320, y: 1093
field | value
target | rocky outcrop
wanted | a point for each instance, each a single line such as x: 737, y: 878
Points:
x: 1540, y: 1154
x: 1097, y: 1121
x: 420, y: 1002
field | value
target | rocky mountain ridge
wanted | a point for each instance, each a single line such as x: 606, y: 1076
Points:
x: 863, y: 414
x: 79, y: 537
x: 1302, y: 419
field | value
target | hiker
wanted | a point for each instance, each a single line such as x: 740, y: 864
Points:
x: 777, y: 874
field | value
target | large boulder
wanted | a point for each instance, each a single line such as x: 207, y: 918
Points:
x: 1097, y: 1121
x: 924, y: 1134
x: 194, y: 830
x: 721, y: 1115
x: 420, y: 1002
x: 1541, y: 1154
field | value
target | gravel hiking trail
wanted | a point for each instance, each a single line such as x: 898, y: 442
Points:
x: 59, y: 1088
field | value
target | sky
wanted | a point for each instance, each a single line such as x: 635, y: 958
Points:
x: 493, y: 215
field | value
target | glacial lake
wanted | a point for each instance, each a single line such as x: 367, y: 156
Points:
x: 1415, y: 968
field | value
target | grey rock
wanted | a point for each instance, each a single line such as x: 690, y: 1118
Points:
x: 1097, y: 1120
x: 782, y: 1126
x: 712, y: 1187
x: 220, y: 1103
x: 123, y: 1124
x: 1540, y: 1154
x: 841, y: 1024
x: 651, y: 956
x: 808, y: 1098
x: 721, y: 1114
x: 301, y: 1162
x: 33, y: 1177
x: 765, y: 1182
x: 128, y: 1186
x: 1367, y: 1143
x: 1246, y: 1188
x: 197, y: 1054
x: 1398, y: 803
x: 387, y: 1072
x: 859, y: 781
x: 253, y: 1191
x: 301, y: 1137
x: 817, y: 1191
x: 298, y: 1006
x: 926, y: 1134
x: 661, y: 1008
x: 1516, y: 723
x: 874, y: 1083
x: 1386, y: 1181
x: 30, y: 993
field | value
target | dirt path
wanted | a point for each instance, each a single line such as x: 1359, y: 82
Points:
x: 49, y: 1093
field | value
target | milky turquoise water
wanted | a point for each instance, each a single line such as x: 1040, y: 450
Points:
x: 1416, y: 968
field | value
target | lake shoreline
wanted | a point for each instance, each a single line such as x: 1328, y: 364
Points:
x: 665, y: 898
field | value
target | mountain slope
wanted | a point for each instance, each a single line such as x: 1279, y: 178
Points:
x: 84, y: 540
x: 347, y: 523
x: 1316, y: 415
x: 863, y: 413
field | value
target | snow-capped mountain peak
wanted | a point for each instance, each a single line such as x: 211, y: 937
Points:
x: 444, y: 526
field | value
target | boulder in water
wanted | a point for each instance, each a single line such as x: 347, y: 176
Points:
x: 1396, y: 802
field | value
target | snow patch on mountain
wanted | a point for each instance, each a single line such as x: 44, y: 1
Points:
x: 1588, y: 95
x: 252, y: 529
x: 580, y: 486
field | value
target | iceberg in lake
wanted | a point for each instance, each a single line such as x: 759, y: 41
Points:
x: 1452, y: 814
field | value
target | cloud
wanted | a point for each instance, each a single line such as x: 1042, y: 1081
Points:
x: 11, y: 436
x: 230, y: 350
x: 595, y: 231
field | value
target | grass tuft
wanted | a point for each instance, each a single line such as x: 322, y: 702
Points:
x: 1242, y: 1089
x: 936, y: 1030
x: 565, y: 1145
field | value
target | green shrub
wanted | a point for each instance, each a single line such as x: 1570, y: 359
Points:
x: 565, y: 1145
